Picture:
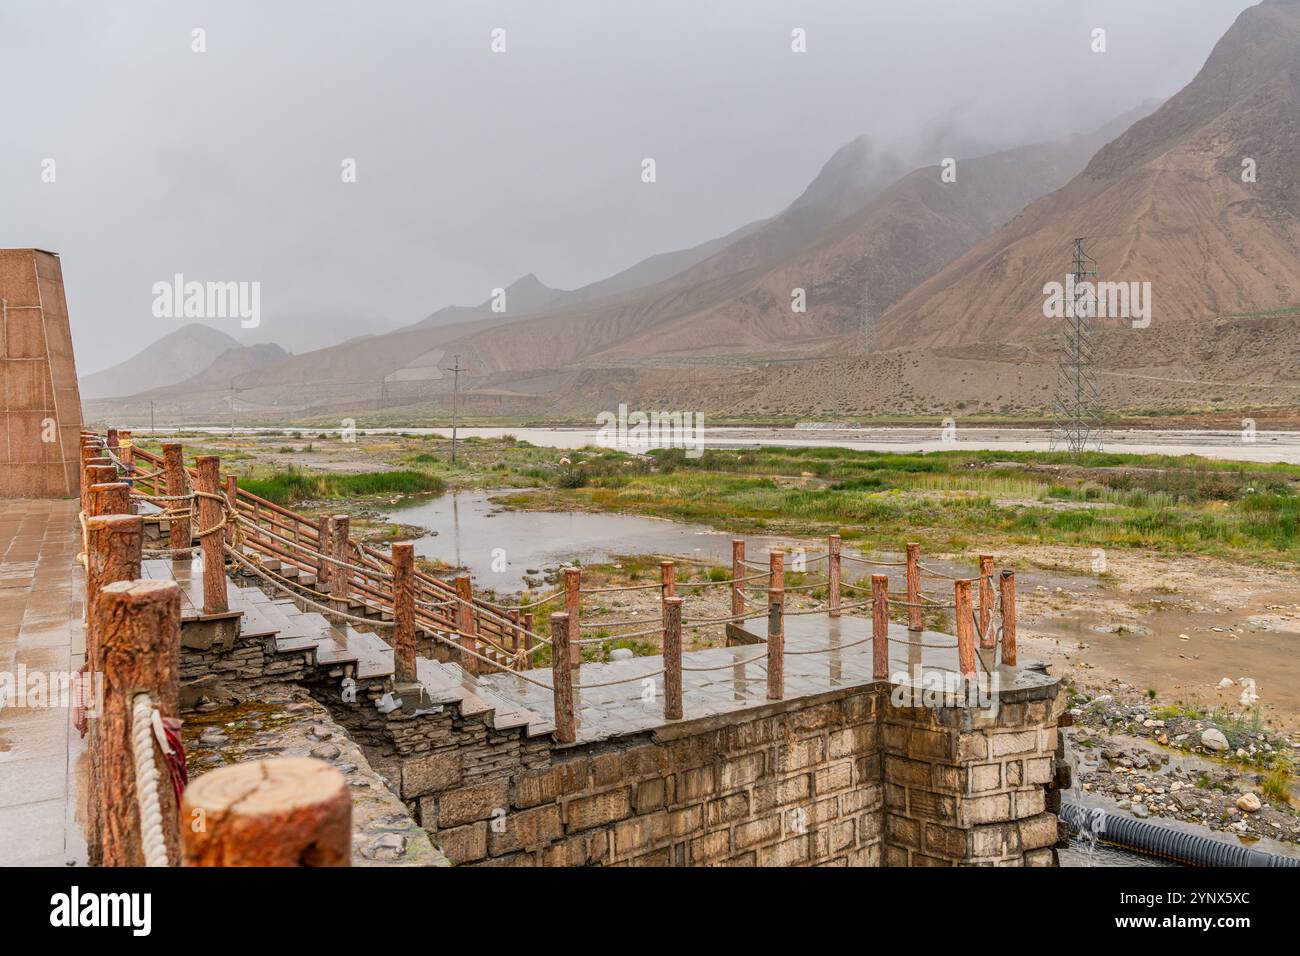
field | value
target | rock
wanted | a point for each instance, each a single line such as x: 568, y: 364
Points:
x: 325, y: 752
x: 211, y: 736
x: 620, y: 654
x: 1226, y: 682
x: 1249, y: 803
x: 390, y: 846
x: 1213, y: 739
x: 1140, y: 811
x: 1163, y: 739
x: 320, y: 732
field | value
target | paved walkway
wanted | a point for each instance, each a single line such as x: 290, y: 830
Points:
x: 41, y: 639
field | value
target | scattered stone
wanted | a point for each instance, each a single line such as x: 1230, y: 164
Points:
x: 1226, y: 682
x: 1249, y: 803
x: 211, y: 736
x: 389, y: 847
x: 1213, y: 739
x: 325, y: 752
x: 320, y: 732
x: 620, y: 654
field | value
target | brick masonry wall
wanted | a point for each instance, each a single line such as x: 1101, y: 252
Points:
x: 842, y: 779
x: 965, y: 788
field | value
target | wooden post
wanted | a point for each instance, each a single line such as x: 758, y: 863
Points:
x: 776, y: 626
x: 833, y: 574
x: 515, y: 636
x: 914, y: 620
x: 562, y: 679
x: 667, y: 583
x: 111, y: 498
x: 673, y: 658
x: 126, y: 450
x: 466, y: 624
x: 232, y: 502
x: 287, y: 811
x: 99, y: 475
x: 737, y: 572
x: 110, y: 438
x: 572, y: 604
x: 338, y: 574
x: 528, y: 640
x: 404, y: 612
x: 174, y: 467
x: 88, y: 453
x: 324, y: 545
x: 880, y: 626
x: 965, y: 627
x: 139, y: 628
x: 113, y: 543
x: 210, y: 511
x: 986, y: 601
x: 1009, y: 617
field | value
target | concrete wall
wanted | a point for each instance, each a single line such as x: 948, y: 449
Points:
x: 40, y: 407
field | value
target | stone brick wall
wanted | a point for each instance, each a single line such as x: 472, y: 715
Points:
x: 848, y: 778
x: 965, y: 788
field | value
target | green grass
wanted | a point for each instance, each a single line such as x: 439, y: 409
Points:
x: 952, y: 499
x: 293, y: 485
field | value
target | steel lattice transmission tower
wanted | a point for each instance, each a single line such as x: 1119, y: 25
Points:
x: 1076, y: 413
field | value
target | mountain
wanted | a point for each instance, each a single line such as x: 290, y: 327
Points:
x: 1164, y: 203
x: 901, y: 237
x: 173, y: 358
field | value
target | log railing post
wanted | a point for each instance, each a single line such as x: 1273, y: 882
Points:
x: 1009, y: 617
x: 528, y: 640
x: 100, y: 475
x: 562, y: 679
x: 111, y: 498
x: 139, y: 627
x: 737, y: 573
x: 338, y: 572
x: 833, y: 574
x: 880, y: 626
x: 110, y: 439
x: 287, y: 811
x: 126, y: 450
x: 673, y: 658
x: 174, y: 469
x: 467, y: 625
x: 914, y: 620
x: 986, y: 601
x: 88, y: 453
x: 667, y: 582
x: 210, y: 511
x: 404, y: 612
x: 324, y: 546
x: 776, y: 626
x: 232, y: 502
x: 572, y: 606
x: 963, y: 614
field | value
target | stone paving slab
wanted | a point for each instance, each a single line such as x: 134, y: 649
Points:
x: 41, y: 756
x: 822, y: 654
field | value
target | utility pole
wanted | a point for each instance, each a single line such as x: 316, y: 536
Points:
x: 232, y: 408
x: 455, y: 403
x: 151, y: 428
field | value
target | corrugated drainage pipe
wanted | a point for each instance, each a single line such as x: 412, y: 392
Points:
x: 1169, y: 843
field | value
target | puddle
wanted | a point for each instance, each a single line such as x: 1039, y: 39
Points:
x: 1245, y: 641
x: 498, y: 547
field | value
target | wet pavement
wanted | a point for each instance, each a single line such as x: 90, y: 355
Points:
x: 41, y: 644
x: 821, y: 655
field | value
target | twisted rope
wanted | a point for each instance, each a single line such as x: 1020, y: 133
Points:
x: 143, y: 717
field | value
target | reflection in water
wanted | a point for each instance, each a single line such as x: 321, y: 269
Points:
x: 467, y: 529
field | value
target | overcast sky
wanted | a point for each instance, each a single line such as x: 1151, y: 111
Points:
x: 475, y: 167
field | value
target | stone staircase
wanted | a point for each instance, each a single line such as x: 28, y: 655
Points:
x: 341, y: 649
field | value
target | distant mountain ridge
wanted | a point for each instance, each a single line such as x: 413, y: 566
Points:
x: 173, y: 358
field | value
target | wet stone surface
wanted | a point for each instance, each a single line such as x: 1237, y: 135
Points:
x: 285, y: 722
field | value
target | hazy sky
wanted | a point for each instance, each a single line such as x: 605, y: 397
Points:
x: 475, y: 167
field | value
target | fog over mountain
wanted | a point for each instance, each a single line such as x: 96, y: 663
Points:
x: 476, y: 168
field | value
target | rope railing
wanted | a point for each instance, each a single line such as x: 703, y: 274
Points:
x: 502, y: 638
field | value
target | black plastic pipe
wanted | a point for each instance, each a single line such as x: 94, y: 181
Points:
x: 1169, y: 843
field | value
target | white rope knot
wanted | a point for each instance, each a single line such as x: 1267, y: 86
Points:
x: 146, y: 726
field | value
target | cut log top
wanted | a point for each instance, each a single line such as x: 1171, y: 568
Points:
x: 287, y: 811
